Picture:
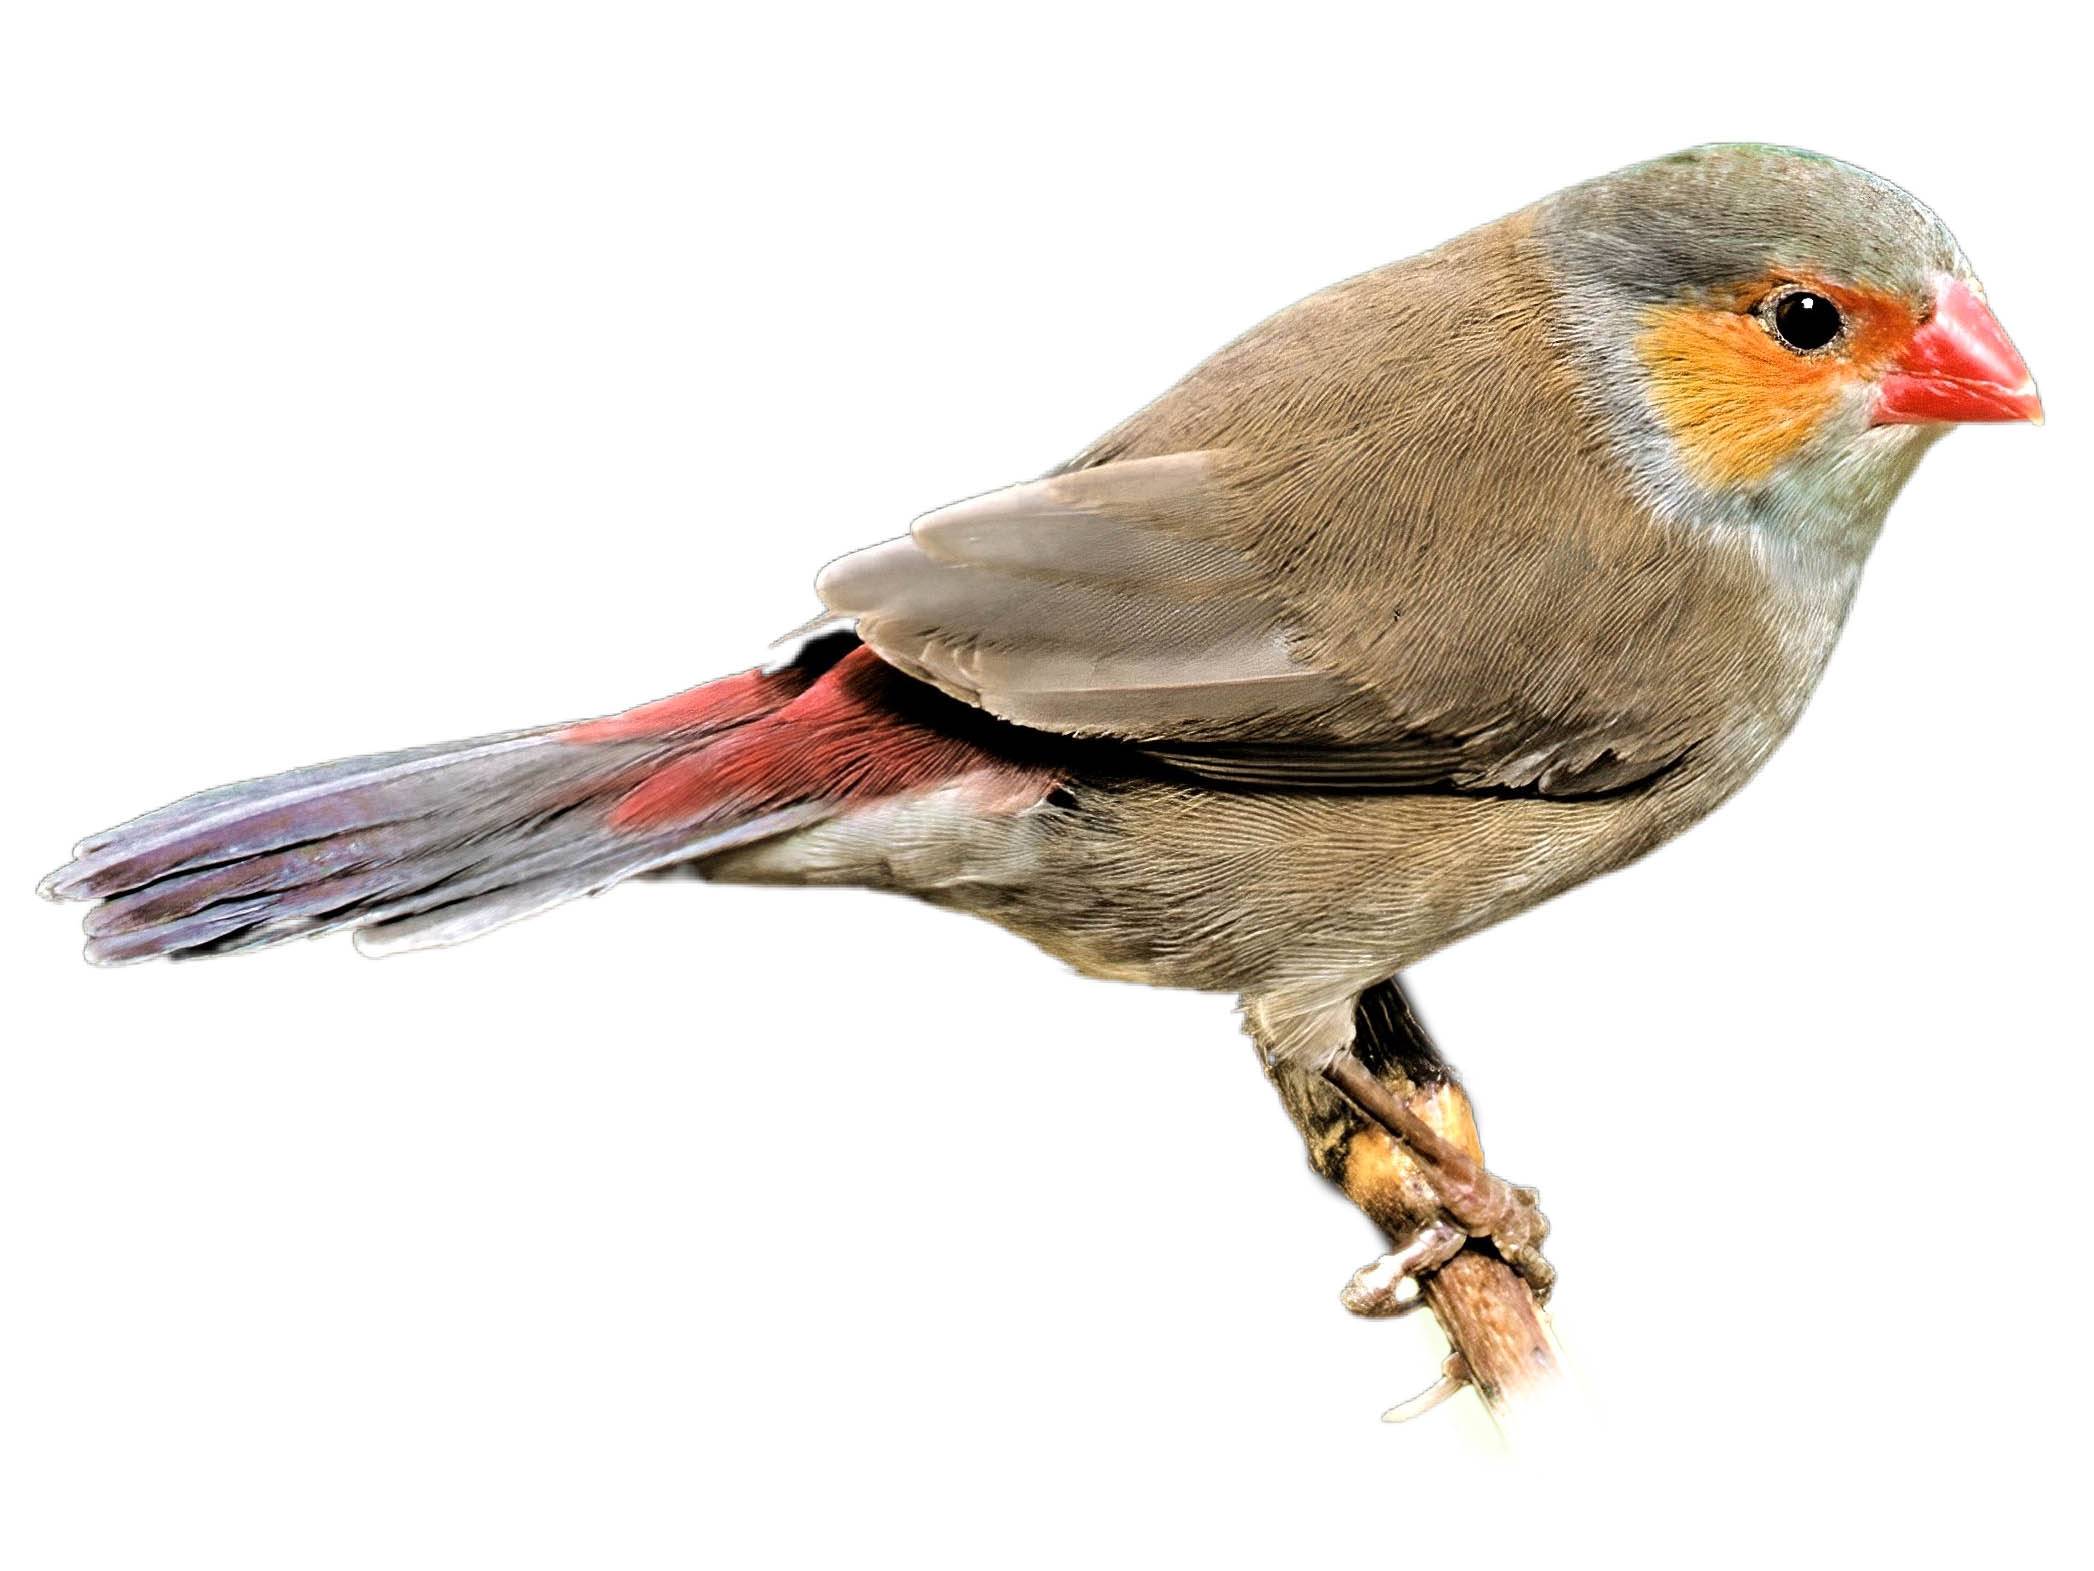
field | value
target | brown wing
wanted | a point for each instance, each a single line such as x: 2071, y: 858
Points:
x: 1106, y: 601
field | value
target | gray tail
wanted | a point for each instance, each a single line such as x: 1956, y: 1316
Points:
x: 412, y: 849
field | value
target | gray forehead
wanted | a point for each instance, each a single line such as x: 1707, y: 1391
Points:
x: 1723, y: 215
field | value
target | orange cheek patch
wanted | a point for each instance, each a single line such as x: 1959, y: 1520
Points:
x: 1735, y: 401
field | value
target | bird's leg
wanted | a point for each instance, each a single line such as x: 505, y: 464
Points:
x: 1391, y: 1127
x: 1389, y: 1124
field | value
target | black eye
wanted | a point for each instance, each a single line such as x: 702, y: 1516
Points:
x: 1805, y: 321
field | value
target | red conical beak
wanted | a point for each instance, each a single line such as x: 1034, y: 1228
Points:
x: 1960, y: 366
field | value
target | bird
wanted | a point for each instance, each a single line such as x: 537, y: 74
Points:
x: 1437, y: 593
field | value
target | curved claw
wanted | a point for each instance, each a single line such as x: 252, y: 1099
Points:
x: 1454, y: 1374
x: 1390, y: 1286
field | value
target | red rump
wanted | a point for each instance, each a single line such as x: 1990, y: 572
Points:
x: 717, y: 705
x: 842, y: 739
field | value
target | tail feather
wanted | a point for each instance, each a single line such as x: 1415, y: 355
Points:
x: 299, y: 807
x: 470, y: 834
x: 434, y: 845
x: 421, y: 846
x: 452, y: 915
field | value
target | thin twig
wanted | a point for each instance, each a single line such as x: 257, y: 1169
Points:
x: 1390, y: 1124
x: 1488, y: 1311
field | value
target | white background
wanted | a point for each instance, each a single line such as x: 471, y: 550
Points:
x: 376, y: 374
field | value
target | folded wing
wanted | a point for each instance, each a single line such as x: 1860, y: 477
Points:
x: 1108, y: 601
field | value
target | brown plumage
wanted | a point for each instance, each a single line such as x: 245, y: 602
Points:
x: 1436, y: 593
x: 1501, y: 665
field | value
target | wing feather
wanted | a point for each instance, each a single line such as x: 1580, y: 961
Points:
x: 1109, y: 601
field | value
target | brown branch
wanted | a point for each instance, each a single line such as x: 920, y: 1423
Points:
x: 1391, y: 1125
x: 1433, y: 1161
x: 1489, y: 1313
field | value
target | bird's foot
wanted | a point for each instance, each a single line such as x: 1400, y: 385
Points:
x: 1394, y: 1284
x: 1471, y: 1201
x: 1507, y: 1216
x: 1509, y: 1219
